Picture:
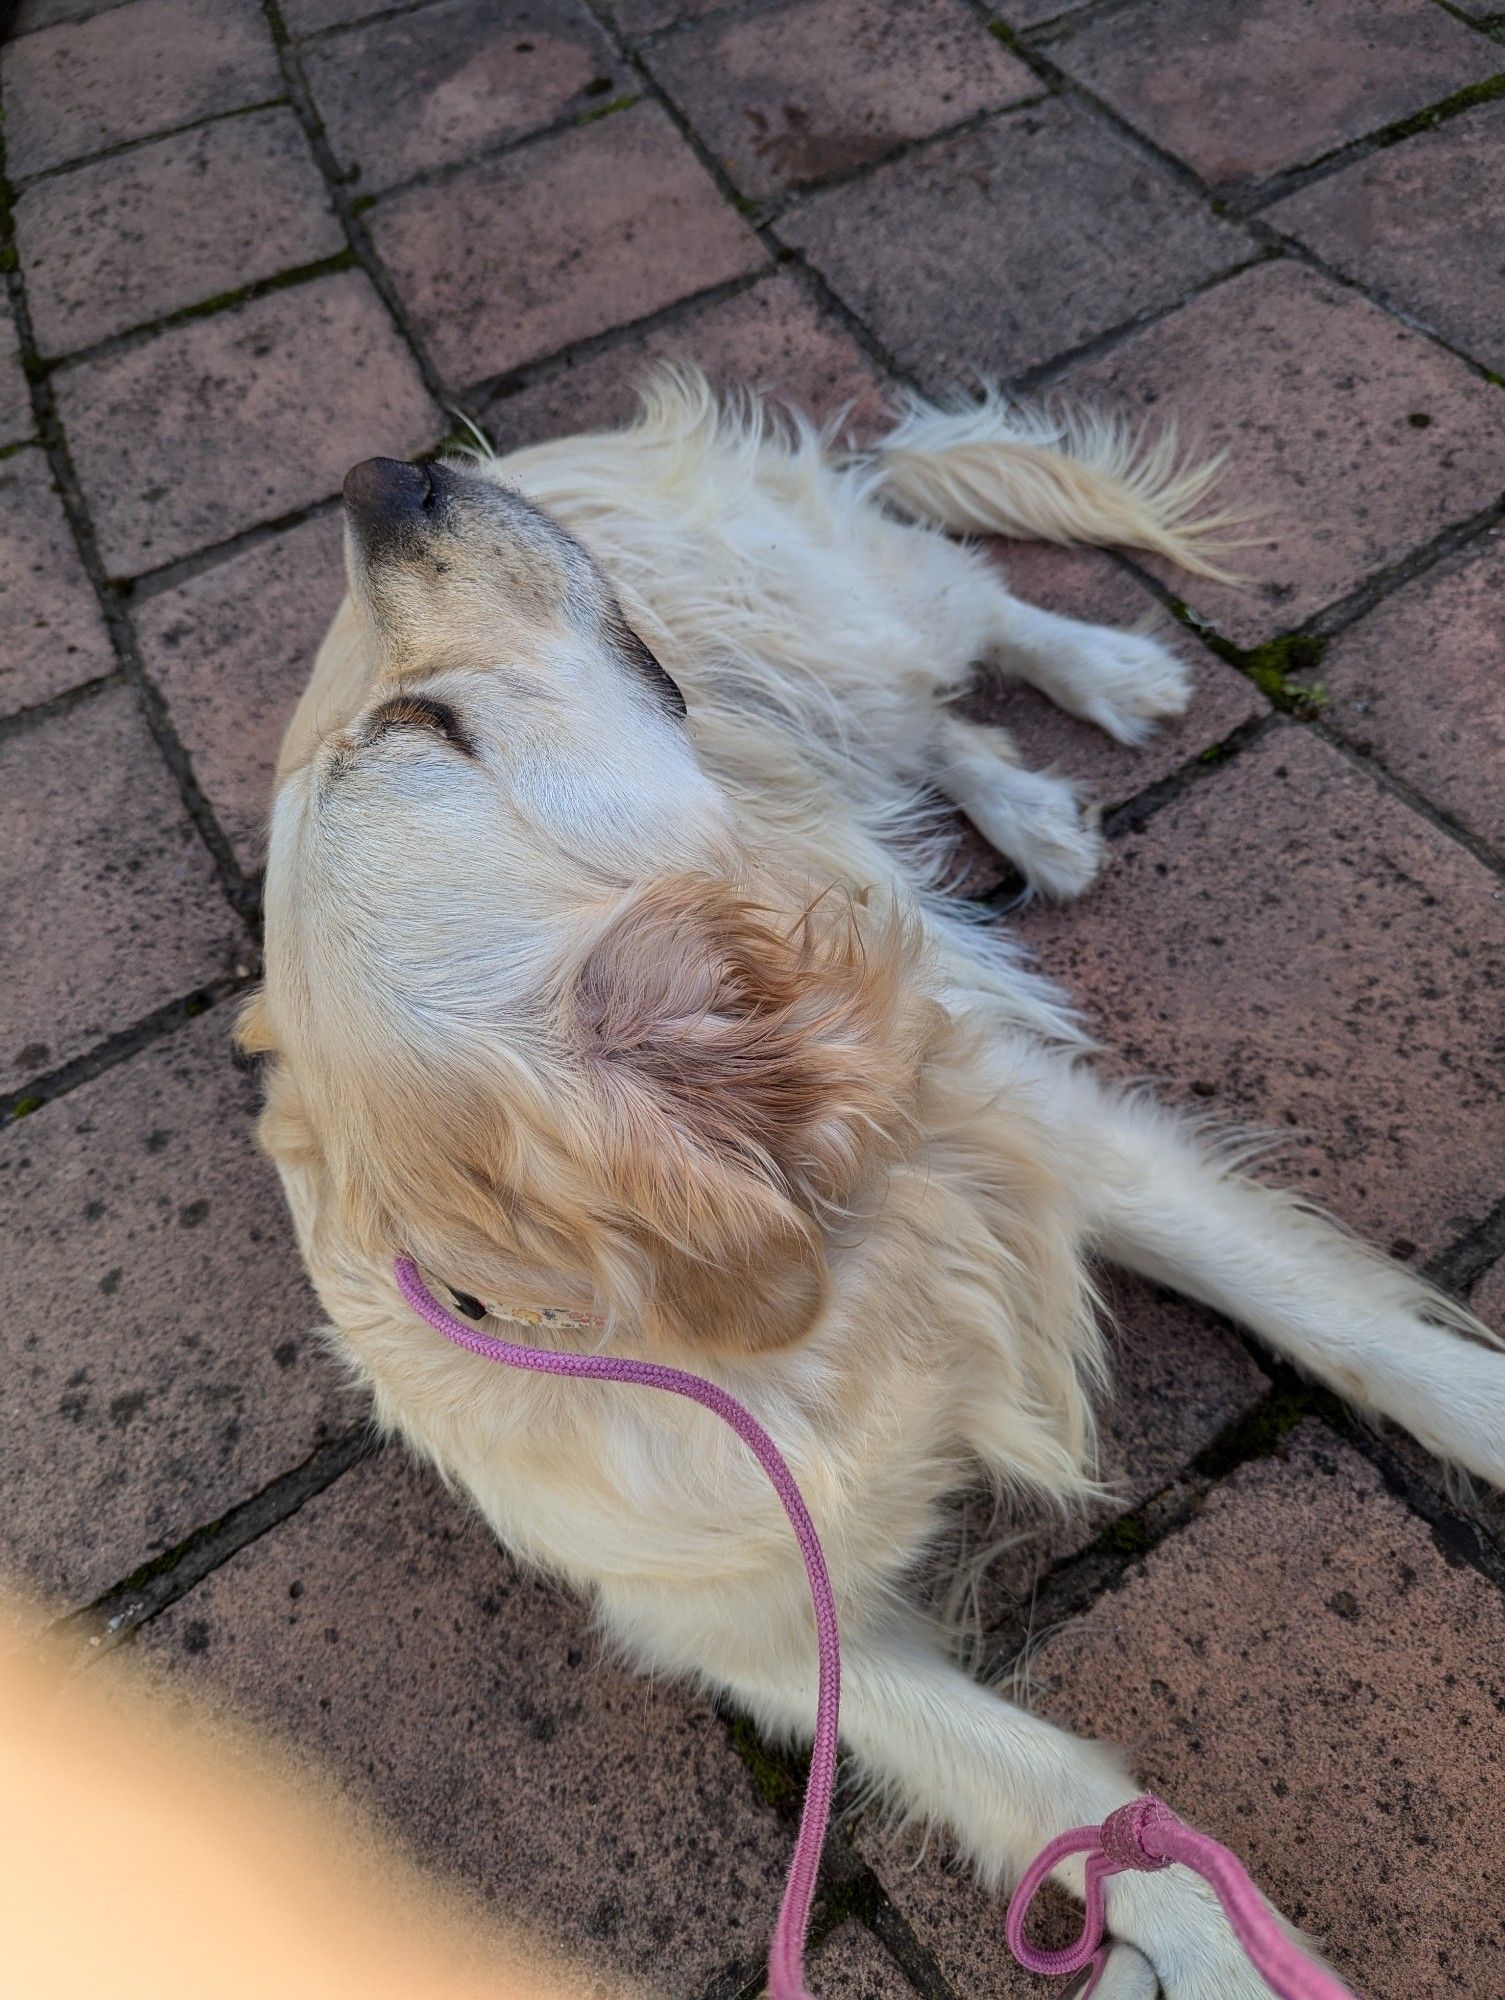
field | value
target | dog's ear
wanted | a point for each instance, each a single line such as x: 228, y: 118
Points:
x: 753, y: 1068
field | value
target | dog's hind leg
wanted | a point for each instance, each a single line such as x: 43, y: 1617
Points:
x: 1124, y: 682
x: 1160, y: 1201
x: 1037, y: 819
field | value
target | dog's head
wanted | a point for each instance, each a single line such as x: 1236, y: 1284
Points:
x: 548, y: 1025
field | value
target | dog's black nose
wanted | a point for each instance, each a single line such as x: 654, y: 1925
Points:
x: 385, y: 496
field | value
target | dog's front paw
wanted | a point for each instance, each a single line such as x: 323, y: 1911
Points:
x: 1177, y: 1923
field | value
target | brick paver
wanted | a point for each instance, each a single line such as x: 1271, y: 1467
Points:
x: 52, y: 634
x: 160, y: 1355
x: 15, y: 398
x: 1321, y: 72
x: 805, y: 91
x: 1289, y: 944
x: 170, y: 224
x: 1418, y: 682
x: 427, y: 89
x: 385, y: 1636
x: 998, y: 249
x: 84, y: 85
x: 1172, y: 211
x: 1352, y: 438
x: 771, y: 334
x: 109, y: 905
x: 239, y: 418
x: 229, y: 651
x: 1421, y: 223
x: 512, y: 260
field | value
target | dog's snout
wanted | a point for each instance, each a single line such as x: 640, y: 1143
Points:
x: 386, y: 498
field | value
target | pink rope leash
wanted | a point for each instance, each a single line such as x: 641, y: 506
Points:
x: 1141, y: 1835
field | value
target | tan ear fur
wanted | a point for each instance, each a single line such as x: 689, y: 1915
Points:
x: 754, y: 1067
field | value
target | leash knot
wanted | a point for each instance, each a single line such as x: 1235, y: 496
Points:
x: 1122, y: 1835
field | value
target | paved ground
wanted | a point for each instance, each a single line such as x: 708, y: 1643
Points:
x: 248, y: 245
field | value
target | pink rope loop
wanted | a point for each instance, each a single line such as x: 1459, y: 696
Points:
x: 1144, y: 1834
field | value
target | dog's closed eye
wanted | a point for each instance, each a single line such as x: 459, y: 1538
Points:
x: 420, y: 711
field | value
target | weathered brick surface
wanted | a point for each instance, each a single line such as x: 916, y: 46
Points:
x: 641, y: 17
x: 231, y: 651
x: 771, y: 335
x: 1289, y: 944
x: 15, y: 398
x: 426, y: 89
x: 852, y: 1965
x: 109, y: 905
x: 1352, y: 439
x: 1488, y: 1300
x: 310, y: 17
x: 1307, y: 1675
x: 807, y: 91
x: 998, y: 249
x: 1418, y: 682
x: 1421, y: 223
x: 1083, y: 583
x: 224, y: 422
x: 388, y: 1639
x: 83, y: 85
x: 513, y: 259
x: 52, y: 634
x: 160, y: 1356
x: 121, y: 241
x: 1245, y: 88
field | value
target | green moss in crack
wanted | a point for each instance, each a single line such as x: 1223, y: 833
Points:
x: 24, y: 1106
x: 1449, y: 107
x: 1273, y: 668
x: 605, y: 110
x: 1001, y: 31
x: 778, y: 1783
x: 1259, y: 1433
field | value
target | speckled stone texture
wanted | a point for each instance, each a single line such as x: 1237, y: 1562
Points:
x: 52, y: 632
x: 160, y: 1353
x: 517, y: 257
x: 16, y: 420
x: 109, y: 905
x: 240, y: 418
x: 168, y: 225
x: 993, y: 251
x: 807, y: 91
x: 386, y: 1638
x: 420, y: 90
x: 1289, y: 945
x: 1244, y: 88
x: 1352, y: 439
x: 1421, y: 223
x: 81, y: 86
x: 771, y: 335
x: 230, y: 651
x: 1419, y: 684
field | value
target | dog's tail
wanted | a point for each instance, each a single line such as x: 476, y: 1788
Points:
x: 991, y: 467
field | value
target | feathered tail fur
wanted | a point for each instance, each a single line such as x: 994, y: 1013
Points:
x: 992, y: 467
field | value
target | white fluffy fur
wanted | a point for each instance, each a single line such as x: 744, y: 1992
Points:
x: 424, y: 910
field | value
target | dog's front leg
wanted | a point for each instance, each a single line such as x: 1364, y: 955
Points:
x: 1005, y: 1782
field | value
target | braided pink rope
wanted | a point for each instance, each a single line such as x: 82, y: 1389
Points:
x: 1141, y: 1835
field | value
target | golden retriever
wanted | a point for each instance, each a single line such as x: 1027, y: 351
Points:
x: 610, y: 974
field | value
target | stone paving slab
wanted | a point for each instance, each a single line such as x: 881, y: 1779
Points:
x: 421, y: 90
x: 386, y: 1638
x: 1422, y: 224
x: 230, y: 651
x: 1419, y: 683
x: 771, y: 334
x: 52, y: 633
x: 1289, y: 944
x: 109, y: 246
x: 1308, y: 1675
x: 806, y: 91
x: 77, y: 88
x: 1246, y: 88
x: 1091, y: 585
x: 852, y: 1965
x: 215, y: 426
x: 16, y: 420
x: 1488, y: 1300
x: 109, y: 904
x: 160, y: 1357
x: 1352, y: 438
x: 567, y: 237
x: 994, y: 251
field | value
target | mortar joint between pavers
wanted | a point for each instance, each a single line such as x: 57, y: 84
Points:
x: 24, y: 183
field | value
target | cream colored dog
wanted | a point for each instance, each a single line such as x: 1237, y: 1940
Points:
x: 608, y: 973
